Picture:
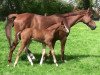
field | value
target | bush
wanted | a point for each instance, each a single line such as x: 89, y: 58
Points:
x: 32, y: 6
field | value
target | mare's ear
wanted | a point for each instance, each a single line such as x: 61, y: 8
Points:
x: 89, y: 11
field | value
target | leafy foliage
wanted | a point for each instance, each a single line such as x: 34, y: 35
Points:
x: 34, y: 6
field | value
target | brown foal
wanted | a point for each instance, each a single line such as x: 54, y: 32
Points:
x: 45, y: 36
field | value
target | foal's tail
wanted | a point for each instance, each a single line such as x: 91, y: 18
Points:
x: 9, y: 23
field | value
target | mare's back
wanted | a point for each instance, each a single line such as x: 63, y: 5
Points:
x: 43, y: 22
x: 23, y: 20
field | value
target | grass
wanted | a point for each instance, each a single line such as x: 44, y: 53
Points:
x: 82, y: 55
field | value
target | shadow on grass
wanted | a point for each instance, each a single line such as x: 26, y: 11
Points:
x: 49, y: 60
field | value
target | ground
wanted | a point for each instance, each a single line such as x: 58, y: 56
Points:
x: 82, y: 55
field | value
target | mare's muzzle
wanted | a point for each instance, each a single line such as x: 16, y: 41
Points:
x: 93, y: 28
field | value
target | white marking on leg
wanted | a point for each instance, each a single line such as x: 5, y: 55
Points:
x: 42, y: 58
x: 54, y: 58
x: 16, y: 60
x: 32, y: 56
x: 30, y: 60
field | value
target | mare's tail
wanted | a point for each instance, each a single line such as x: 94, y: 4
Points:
x: 8, y: 26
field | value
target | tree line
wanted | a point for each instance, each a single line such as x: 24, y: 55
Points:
x: 41, y: 6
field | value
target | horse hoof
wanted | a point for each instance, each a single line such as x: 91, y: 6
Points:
x: 8, y: 65
x: 40, y: 64
x: 65, y: 61
x: 14, y: 66
x: 56, y: 64
x: 31, y: 64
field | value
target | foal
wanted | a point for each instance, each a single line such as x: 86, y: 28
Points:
x: 45, y: 36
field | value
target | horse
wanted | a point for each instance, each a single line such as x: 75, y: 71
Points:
x: 28, y: 20
x: 45, y: 36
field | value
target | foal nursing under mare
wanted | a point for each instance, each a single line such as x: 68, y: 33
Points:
x: 27, y: 20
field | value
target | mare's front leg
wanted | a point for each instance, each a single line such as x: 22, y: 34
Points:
x: 53, y: 44
x: 43, y: 53
x: 63, y: 42
x: 12, y: 48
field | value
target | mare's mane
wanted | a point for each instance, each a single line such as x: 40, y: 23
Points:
x: 81, y: 12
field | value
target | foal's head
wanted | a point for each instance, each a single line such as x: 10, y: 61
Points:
x: 87, y: 19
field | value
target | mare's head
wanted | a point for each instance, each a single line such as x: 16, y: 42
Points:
x: 87, y: 19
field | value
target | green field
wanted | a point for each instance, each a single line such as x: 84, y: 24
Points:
x: 82, y: 55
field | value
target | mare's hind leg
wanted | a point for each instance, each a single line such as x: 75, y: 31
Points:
x: 63, y: 42
x: 30, y: 56
x: 43, y: 54
x: 14, y: 44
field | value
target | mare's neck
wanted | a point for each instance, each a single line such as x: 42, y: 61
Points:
x: 72, y: 20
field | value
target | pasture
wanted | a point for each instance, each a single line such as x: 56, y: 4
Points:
x: 82, y: 55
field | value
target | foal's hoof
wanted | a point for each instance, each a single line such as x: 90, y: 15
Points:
x: 31, y: 64
x: 56, y: 64
x: 8, y: 65
x: 65, y: 61
x: 40, y: 64
x: 14, y: 65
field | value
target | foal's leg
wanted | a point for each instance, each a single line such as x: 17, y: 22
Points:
x: 63, y: 41
x: 18, y: 54
x: 24, y: 42
x: 43, y: 53
x: 54, y: 58
x: 53, y: 53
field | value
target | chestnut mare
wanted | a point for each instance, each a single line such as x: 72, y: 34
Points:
x: 27, y: 20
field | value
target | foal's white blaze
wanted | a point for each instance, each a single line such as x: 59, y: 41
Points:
x: 42, y: 58
x: 30, y: 60
x: 67, y: 30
